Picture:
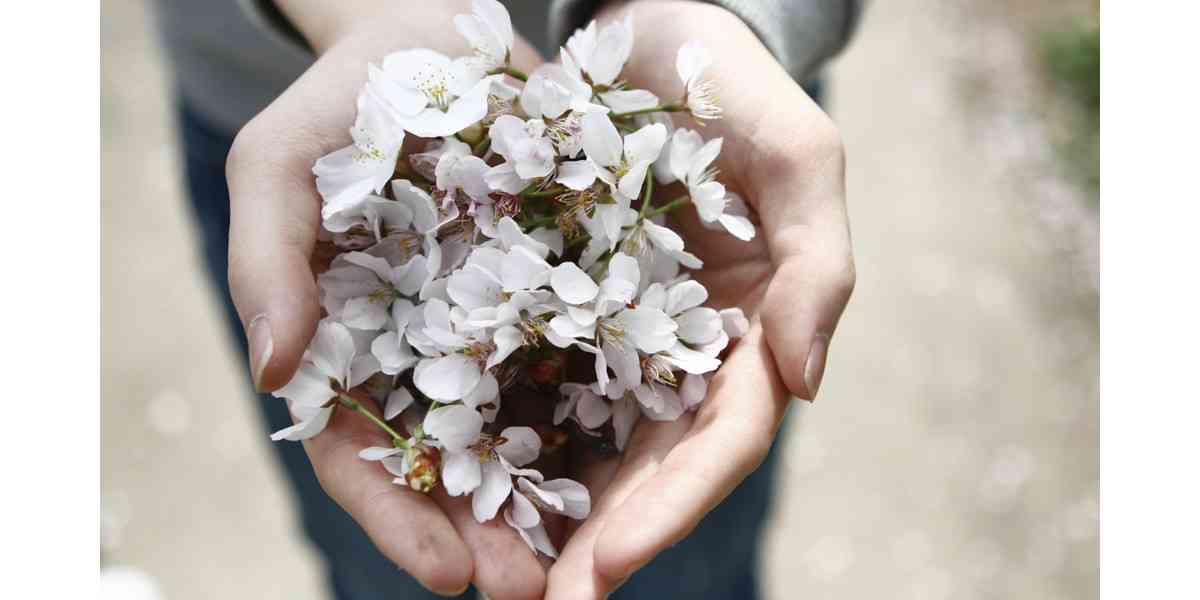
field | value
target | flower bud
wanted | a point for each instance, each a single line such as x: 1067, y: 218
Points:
x: 422, y: 476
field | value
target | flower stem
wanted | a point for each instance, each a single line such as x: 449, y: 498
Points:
x: 653, y: 109
x: 511, y: 72
x: 647, y: 192
x: 546, y: 193
x: 482, y: 147
x: 668, y: 207
x: 353, y: 404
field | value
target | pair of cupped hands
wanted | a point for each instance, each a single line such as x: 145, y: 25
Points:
x: 781, y: 153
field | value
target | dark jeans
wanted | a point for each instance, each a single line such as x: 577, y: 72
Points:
x: 718, y: 561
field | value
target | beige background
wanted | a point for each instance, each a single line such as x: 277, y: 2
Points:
x: 953, y: 453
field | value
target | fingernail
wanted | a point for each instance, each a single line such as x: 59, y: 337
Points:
x: 814, y: 367
x: 261, y: 346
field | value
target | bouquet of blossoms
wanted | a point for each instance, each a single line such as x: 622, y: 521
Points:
x: 514, y: 258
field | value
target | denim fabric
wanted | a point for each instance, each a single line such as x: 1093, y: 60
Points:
x: 718, y: 561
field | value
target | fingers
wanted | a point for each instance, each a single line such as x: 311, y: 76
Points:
x: 730, y: 437
x: 275, y: 216
x: 809, y: 241
x: 575, y: 576
x: 505, y: 567
x: 407, y: 526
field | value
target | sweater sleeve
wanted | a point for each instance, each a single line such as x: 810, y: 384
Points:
x: 801, y: 34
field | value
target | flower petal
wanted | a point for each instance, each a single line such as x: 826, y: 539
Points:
x: 305, y: 429
x: 522, y: 446
x: 573, y: 285
x: 455, y: 426
x: 492, y: 491
x: 447, y: 378
x: 461, y: 472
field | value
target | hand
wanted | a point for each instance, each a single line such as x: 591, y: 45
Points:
x: 275, y: 218
x: 784, y: 157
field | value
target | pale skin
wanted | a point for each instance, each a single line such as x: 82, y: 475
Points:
x: 781, y: 153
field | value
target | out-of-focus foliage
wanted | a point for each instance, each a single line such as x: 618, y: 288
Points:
x: 1071, y: 58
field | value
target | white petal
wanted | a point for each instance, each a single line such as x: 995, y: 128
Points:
x: 735, y: 322
x: 378, y: 453
x: 613, y: 45
x: 305, y: 429
x: 738, y: 226
x: 455, y: 426
x: 592, y: 410
x: 692, y: 391
x: 645, y: 144
x: 651, y: 330
x: 332, y: 349
x: 621, y: 101
x: 492, y: 491
x: 447, y: 378
x: 308, y: 387
x: 577, y: 502
x: 699, y: 325
x: 461, y: 472
x: 625, y: 416
x: 573, y: 285
x: 662, y: 403
x: 691, y: 61
x: 472, y: 287
x: 576, y: 174
x: 398, y: 400
x: 523, y: 270
x: 601, y: 140
x: 685, y: 295
x: 485, y: 392
x: 524, y: 513
x: 689, y: 360
x: 523, y: 445
x: 507, y: 340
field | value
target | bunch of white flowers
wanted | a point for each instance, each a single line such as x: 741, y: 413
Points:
x: 505, y: 262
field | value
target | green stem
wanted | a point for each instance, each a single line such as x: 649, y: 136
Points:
x: 546, y: 193
x: 482, y: 147
x: 647, y: 192
x: 646, y: 111
x: 510, y: 71
x: 536, y: 222
x: 668, y: 207
x: 349, y: 402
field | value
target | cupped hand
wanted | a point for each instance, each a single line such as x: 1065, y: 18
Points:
x: 275, y: 219
x: 783, y: 155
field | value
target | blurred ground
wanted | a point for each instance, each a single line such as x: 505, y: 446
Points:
x: 953, y: 453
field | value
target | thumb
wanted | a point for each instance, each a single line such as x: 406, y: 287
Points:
x: 274, y: 216
x: 809, y: 240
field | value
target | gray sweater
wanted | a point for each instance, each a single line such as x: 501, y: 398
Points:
x: 232, y: 57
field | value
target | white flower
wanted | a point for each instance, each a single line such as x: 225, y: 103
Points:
x: 602, y: 55
x: 700, y: 96
x: 429, y: 94
x: 369, y: 222
x: 654, y: 243
x: 554, y: 89
x: 479, y: 464
x: 619, y: 328
x: 359, y: 288
x: 691, y: 159
x: 331, y: 365
x: 458, y: 169
x: 489, y: 31
x: 558, y: 496
x: 457, y: 356
x: 621, y: 163
x: 524, y: 145
x: 346, y: 176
